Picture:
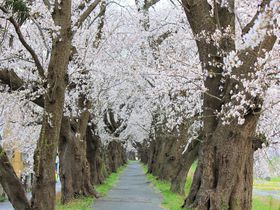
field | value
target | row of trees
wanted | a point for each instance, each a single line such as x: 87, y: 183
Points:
x: 178, y: 81
x: 40, y: 37
x: 239, y: 65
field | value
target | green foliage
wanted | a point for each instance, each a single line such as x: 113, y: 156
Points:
x: 19, y: 8
x: 85, y: 203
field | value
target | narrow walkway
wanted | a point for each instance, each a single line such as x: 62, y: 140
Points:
x: 132, y: 192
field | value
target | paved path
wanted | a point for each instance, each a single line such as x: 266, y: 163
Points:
x: 267, y: 193
x: 132, y: 192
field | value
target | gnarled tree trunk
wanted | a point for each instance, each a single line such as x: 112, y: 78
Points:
x: 226, y: 167
x: 74, y: 168
x: 183, y: 167
x: 142, y: 151
x: 116, y: 155
x: 96, y: 156
x: 226, y: 158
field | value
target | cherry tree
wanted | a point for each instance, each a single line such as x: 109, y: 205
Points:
x: 46, y: 54
x: 235, y: 59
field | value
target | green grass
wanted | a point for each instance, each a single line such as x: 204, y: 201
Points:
x: 85, y: 203
x: 104, y: 188
x: 265, y: 203
x: 273, y: 184
x: 173, y: 201
x: 2, y: 198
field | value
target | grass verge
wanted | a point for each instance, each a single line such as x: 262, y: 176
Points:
x: 2, y: 198
x: 273, y: 184
x: 85, y: 203
x: 265, y: 203
x: 173, y: 201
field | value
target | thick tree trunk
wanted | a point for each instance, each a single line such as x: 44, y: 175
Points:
x: 226, y: 158
x: 96, y: 157
x: 170, y: 156
x: 168, y: 148
x: 43, y: 192
x: 11, y: 184
x: 45, y: 154
x: 142, y: 151
x: 226, y: 167
x: 74, y: 168
x: 116, y: 155
x: 183, y: 167
x: 152, y: 155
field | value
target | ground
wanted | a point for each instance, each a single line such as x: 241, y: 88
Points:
x: 133, y: 191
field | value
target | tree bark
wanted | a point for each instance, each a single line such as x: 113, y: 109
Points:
x: 184, y: 164
x: 116, y: 155
x: 226, y: 157
x: 96, y: 156
x: 142, y: 151
x: 43, y: 192
x: 11, y: 184
x: 74, y: 168
x: 226, y: 167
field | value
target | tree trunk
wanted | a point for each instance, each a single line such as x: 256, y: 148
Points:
x: 152, y: 154
x: 187, y: 159
x: 226, y: 167
x: 116, y: 155
x: 74, y: 168
x: 43, y: 192
x: 96, y: 157
x: 226, y: 158
x: 11, y: 184
x: 142, y: 151
x: 168, y: 148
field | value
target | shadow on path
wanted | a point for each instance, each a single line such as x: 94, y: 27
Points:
x: 132, y: 192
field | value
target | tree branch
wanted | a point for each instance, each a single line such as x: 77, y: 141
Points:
x: 86, y: 13
x: 15, y: 83
x: 26, y: 45
x: 11, y: 79
x: 150, y: 3
x: 47, y: 3
x: 262, y: 6
x: 100, y: 26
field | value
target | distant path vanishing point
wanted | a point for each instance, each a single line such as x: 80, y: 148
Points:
x: 132, y: 192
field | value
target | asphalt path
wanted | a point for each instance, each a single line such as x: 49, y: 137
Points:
x: 132, y: 192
